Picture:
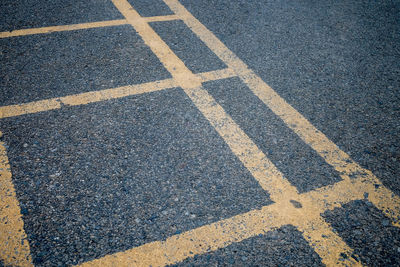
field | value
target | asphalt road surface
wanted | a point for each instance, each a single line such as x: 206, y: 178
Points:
x: 199, y: 133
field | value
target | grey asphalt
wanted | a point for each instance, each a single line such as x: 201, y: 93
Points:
x: 125, y: 172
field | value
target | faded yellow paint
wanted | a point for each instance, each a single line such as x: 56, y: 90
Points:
x: 161, y: 18
x: 262, y: 169
x: 80, y: 26
x: 220, y: 234
x: 61, y: 28
x: 200, y: 240
x: 14, y: 246
x: 174, y: 249
x: 27, y: 108
x: 102, y: 95
x: 305, y: 217
x: 216, y: 75
x: 332, y: 154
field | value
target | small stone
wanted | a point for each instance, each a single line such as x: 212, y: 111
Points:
x: 193, y: 216
x: 25, y: 145
x: 296, y: 204
x: 187, y: 213
x: 137, y: 220
x: 176, y: 199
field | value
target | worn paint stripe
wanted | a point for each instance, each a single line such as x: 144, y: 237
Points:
x: 329, y: 151
x: 198, y: 241
x: 216, y: 75
x: 161, y: 18
x: 80, y: 26
x: 102, y: 95
x: 238, y: 228
x: 220, y: 234
x: 325, y: 242
x: 255, y: 161
x: 14, y: 247
x: 61, y: 28
x: 262, y: 169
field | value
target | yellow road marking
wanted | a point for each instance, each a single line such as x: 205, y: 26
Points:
x: 198, y: 241
x: 216, y: 75
x: 292, y: 118
x: 238, y: 228
x: 161, y: 18
x: 382, y: 198
x: 263, y: 170
x: 14, y: 247
x: 102, y: 95
x: 80, y: 26
x: 61, y: 28
x: 220, y: 234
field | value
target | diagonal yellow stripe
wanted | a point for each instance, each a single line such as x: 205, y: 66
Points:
x: 14, y: 247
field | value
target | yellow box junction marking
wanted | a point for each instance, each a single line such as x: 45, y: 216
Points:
x: 220, y: 234
x: 14, y: 247
x: 326, y: 243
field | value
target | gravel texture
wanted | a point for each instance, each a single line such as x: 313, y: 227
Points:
x: 105, y: 177
x: 283, y: 247
x: 365, y: 229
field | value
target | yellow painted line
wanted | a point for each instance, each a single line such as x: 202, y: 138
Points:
x: 80, y: 26
x: 14, y: 246
x: 102, y: 95
x: 238, y: 228
x: 223, y: 233
x: 198, y: 241
x: 61, y: 28
x: 183, y: 76
x: 263, y: 170
x: 331, y: 153
x: 326, y: 243
x: 259, y: 165
x: 27, y: 108
x: 217, y: 75
x: 161, y: 18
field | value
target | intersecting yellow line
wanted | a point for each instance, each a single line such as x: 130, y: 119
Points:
x: 326, y: 243
x: 14, y: 246
x: 102, y: 95
x: 240, y: 227
x: 329, y: 151
x: 220, y: 234
x: 307, y: 219
x: 79, y: 26
x: 71, y: 27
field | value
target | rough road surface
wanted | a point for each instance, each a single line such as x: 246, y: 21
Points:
x: 199, y: 133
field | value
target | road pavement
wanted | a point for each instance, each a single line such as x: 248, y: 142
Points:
x: 199, y: 133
